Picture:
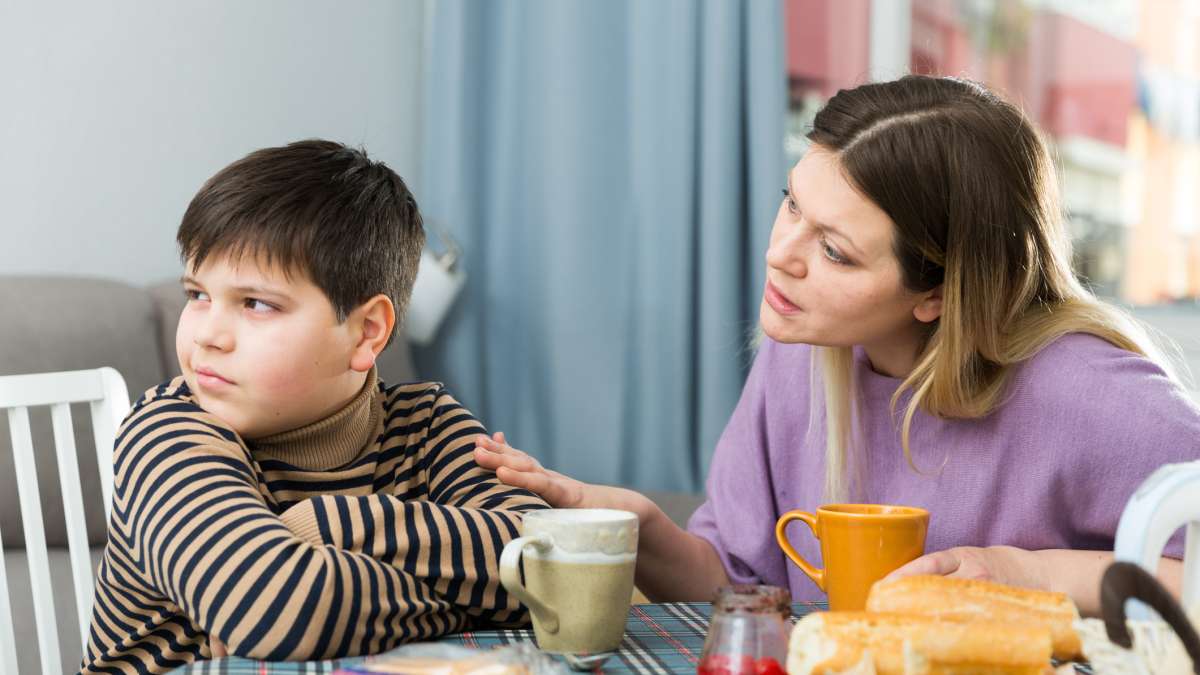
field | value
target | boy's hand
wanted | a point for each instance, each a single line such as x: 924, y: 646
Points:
x: 217, y: 647
x: 518, y: 469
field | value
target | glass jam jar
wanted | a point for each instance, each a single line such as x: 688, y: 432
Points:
x: 748, y: 633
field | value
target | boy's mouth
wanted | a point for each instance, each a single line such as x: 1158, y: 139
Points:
x: 210, y: 378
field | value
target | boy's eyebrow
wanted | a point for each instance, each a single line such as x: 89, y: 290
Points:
x: 245, y: 290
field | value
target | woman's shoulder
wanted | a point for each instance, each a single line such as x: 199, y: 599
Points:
x: 1077, y: 357
x: 1087, y: 373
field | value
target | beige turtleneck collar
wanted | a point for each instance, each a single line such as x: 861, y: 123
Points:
x: 331, y: 442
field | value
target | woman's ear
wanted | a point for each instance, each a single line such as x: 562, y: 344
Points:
x: 929, y: 305
x: 372, y: 324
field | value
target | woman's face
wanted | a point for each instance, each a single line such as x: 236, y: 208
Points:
x: 832, y: 277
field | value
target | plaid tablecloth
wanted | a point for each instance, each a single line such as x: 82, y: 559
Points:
x: 659, y: 639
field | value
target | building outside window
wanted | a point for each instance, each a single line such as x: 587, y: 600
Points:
x: 1115, y: 84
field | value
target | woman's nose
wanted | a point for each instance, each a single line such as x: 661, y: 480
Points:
x: 787, y: 253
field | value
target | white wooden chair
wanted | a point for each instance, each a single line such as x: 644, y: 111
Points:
x: 105, y: 390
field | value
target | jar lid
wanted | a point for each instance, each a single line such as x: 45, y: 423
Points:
x: 753, y: 598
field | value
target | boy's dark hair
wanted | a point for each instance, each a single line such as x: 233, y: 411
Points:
x: 315, y: 207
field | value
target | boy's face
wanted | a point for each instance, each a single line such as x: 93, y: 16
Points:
x: 263, y: 352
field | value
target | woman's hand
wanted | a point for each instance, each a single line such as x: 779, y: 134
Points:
x: 1003, y: 564
x: 663, y: 547
x: 518, y: 469
x: 217, y: 647
x: 1076, y: 573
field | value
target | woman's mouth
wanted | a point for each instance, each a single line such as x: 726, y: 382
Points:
x: 778, y: 301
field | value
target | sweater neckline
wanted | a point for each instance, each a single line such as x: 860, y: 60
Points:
x: 332, y: 442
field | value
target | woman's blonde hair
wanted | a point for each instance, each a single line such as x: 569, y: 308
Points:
x: 971, y: 189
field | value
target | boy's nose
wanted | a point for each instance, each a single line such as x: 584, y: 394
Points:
x: 213, y: 334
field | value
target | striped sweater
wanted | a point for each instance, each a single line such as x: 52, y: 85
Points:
x: 348, y: 536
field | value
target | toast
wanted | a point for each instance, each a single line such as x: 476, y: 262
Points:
x: 972, y: 599
x: 862, y: 643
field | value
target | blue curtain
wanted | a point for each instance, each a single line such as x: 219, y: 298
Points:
x: 612, y: 170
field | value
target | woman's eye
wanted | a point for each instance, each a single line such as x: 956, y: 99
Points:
x: 791, y: 203
x: 832, y: 253
x: 193, y: 294
x: 255, y: 305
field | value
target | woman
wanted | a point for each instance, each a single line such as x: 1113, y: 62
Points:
x: 925, y: 344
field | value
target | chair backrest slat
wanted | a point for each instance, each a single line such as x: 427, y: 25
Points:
x: 8, y: 637
x: 72, y: 386
x: 108, y: 412
x: 104, y: 389
x: 72, y: 489
x: 35, y: 539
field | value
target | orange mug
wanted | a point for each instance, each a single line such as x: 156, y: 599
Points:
x: 860, y: 544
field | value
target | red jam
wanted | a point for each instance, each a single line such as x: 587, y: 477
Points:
x: 748, y: 632
x: 721, y: 664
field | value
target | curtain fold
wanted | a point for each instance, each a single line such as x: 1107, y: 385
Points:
x: 611, y: 170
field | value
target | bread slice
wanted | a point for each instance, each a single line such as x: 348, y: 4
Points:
x: 972, y: 599
x: 863, y: 643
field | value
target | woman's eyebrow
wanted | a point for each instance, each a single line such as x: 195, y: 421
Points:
x: 823, y: 226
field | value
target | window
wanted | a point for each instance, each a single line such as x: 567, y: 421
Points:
x: 1115, y: 84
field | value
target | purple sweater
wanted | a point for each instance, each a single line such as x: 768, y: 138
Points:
x: 1083, y: 424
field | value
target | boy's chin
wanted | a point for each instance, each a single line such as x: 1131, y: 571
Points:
x: 232, y: 417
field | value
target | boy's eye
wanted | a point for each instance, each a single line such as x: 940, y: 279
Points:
x: 256, y: 305
x: 193, y: 294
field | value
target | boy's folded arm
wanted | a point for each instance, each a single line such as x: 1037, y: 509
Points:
x: 453, y: 476
x: 453, y: 549
x: 189, y: 515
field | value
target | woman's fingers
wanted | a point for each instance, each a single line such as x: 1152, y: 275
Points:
x: 940, y: 563
x: 518, y: 460
x: 553, y: 491
x: 496, y: 444
x: 518, y: 469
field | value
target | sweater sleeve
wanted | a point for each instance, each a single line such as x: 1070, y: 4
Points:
x: 1125, y: 420
x: 453, y: 551
x: 189, y: 514
x: 738, y: 516
x: 451, y: 539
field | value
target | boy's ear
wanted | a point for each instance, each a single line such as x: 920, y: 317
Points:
x: 372, y: 323
x: 929, y: 306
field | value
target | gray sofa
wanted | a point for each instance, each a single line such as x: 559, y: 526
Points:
x: 59, y: 323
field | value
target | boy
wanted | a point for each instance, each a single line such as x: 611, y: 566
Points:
x: 277, y: 500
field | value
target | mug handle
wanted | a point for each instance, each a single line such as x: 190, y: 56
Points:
x: 815, y: 573
x: 510, y: 577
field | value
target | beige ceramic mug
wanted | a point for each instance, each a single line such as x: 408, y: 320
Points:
x: 578, y: 576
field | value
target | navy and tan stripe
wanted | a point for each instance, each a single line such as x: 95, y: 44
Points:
x: 284, y: 560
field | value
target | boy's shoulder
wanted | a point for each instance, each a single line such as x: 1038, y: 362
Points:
x: 420, y: 403
x: 168, y: 412
x: 413, y: 395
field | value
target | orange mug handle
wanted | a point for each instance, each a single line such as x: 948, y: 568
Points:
x: 815, y: 573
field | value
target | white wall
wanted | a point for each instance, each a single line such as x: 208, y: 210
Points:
x: 113, y: 113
